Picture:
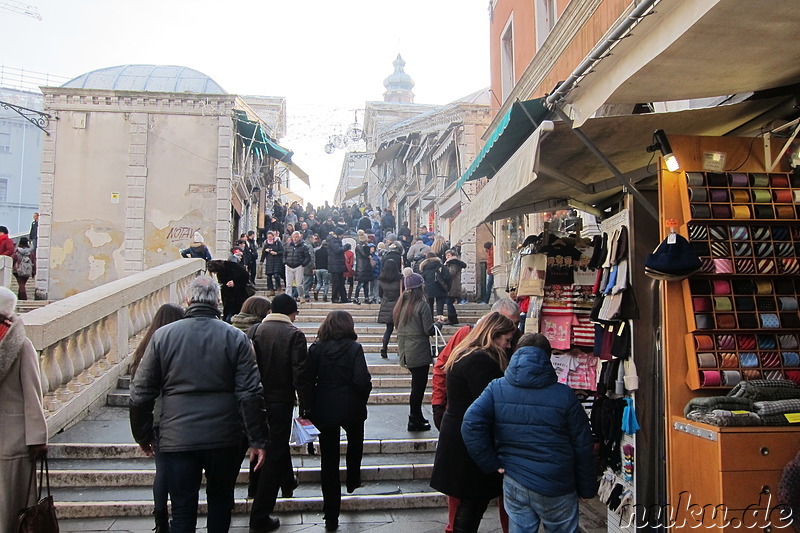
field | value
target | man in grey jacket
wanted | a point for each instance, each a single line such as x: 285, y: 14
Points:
x: 206, y: 373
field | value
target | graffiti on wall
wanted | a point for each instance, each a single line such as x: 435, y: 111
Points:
x: 181, y: 233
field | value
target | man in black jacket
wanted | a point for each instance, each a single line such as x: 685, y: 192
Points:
x: 251, y: 255
x: 336, y: 266
x: 296, y: 256
x: 281, y: 353
x: 206, y: 374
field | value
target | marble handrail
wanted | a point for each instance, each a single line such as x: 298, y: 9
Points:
x: 6, y: 270
x: 83, y: 341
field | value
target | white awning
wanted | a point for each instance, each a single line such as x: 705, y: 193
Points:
x: 297, y: 171
x: 516, y: 174
x: 689, y: 49
x: 355, y: 191
x: 555, y: 170
x: 386, y: 154
x: 443, y: 145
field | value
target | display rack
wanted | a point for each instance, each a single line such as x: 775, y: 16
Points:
x: 742, y: 307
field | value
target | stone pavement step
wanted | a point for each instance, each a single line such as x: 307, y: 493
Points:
x: 405, y: 520
x: 137, y: 501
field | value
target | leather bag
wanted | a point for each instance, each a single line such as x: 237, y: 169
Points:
x: 41, y: 517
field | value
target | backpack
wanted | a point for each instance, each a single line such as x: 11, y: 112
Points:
x: 24, y: 267
x: 443, y: 278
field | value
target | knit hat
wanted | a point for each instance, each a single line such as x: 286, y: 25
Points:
x: 338, y: 231
x: 411, y: 279
x: 362, y: 237
x: 198, y: 237
x: 8, y: 302
x: 381, y: 246
x: 284, y: 304
x: 391, y: 237
x: 674, y: 259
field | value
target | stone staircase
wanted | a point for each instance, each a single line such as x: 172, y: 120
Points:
x: 97, y: 470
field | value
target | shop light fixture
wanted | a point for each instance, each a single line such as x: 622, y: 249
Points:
x: 661, y: 143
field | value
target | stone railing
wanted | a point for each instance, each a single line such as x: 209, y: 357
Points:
x: 6, y: 270
x: 84, y: 341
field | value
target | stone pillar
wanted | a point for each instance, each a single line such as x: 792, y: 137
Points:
x: 135, y: 193
x: 48, y: 169
x: 224, y: 182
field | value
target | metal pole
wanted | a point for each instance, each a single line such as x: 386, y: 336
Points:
x: 603, y: 159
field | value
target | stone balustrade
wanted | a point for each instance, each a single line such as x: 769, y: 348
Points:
x: 85, y: 340
x: 6, y: 270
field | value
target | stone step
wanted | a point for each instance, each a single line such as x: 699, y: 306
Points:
x: 378, y: 382
x: 138, y: 501
x: 95, y: 478
x: 87, y: 451
x: 389, y: 395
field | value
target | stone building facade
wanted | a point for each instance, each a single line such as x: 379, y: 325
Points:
x: 128, y: 176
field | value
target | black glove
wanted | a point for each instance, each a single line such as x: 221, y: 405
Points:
x: 438, y: 413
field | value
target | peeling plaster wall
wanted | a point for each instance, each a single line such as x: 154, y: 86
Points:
x: 181, y: 185
x: 127, y: 178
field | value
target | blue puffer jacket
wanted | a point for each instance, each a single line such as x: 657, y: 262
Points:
x: 534, y: 428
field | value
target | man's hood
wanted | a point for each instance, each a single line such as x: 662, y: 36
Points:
x: 530, y: 368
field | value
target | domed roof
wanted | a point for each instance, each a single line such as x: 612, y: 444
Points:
x: 153, y: 78
x: 398, y: 80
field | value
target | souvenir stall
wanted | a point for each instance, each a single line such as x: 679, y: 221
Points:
x: 578, y: 292
x: 730, y: 331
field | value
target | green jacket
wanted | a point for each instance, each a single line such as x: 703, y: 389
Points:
x: 413, y: 338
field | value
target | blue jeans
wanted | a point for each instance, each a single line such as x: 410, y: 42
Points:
x: 308, y: 282
x: 489, y: 285
x: 185, y: 473
x: 323, y: 281
x: 526, y: 509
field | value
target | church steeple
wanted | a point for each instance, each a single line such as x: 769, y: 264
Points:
x: 399, y: 84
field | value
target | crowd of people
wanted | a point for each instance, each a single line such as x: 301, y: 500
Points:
x: 341, y: 252
x: 23, y: 255
x: 204, y: 393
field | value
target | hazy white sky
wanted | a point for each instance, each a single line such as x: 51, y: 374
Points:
x: 313, y: 52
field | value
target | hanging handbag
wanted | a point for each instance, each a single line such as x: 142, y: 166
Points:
x: 41, y: 517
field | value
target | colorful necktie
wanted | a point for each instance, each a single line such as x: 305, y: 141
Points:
x: 770, y: 359
x: 746, y: 342
x: 723, y: 266
x: 766, y: 342
x: 759, y: 233
x: 739, y: 233
x: 745, y: 266
x: 739, y: 180
x: 788, y: 341
x: 731, y: 378
x: 698, y: 232
x: 769, y: 320
x: 710, y: 378
x: 706, y: 360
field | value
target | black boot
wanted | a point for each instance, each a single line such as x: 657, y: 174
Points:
x: 384, y: 353
x: 418, y: 423
x: 162, y: 521
x: 316, y: 296
x: 452, y: 320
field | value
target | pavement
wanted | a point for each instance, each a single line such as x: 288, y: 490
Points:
x: 400, y: 521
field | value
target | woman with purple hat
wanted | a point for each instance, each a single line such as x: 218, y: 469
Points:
x: 414, y: 322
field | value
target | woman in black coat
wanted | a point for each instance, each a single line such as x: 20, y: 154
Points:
x: 363, y: 272
x: 272, y: 257
x: 389, y: 291
x: 433, y: 289
x: 342, y: 384
x: 233, y: 280
x: 481, y: 357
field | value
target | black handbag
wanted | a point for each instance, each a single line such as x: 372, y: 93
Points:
x: 41, y: 517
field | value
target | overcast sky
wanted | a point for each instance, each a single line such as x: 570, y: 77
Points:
x: 313, y: 52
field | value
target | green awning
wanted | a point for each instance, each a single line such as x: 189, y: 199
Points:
x: 516, y: 126
x: 254, y: 136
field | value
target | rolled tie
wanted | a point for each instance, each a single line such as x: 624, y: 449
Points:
x: 726, y: 342
x: 790, y: 359
x: 695, y: 179
x: 731, y: 378
x: 748, y: 359
x: 746, y: 342
x: 706, y: 360
x: 710, y: 378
